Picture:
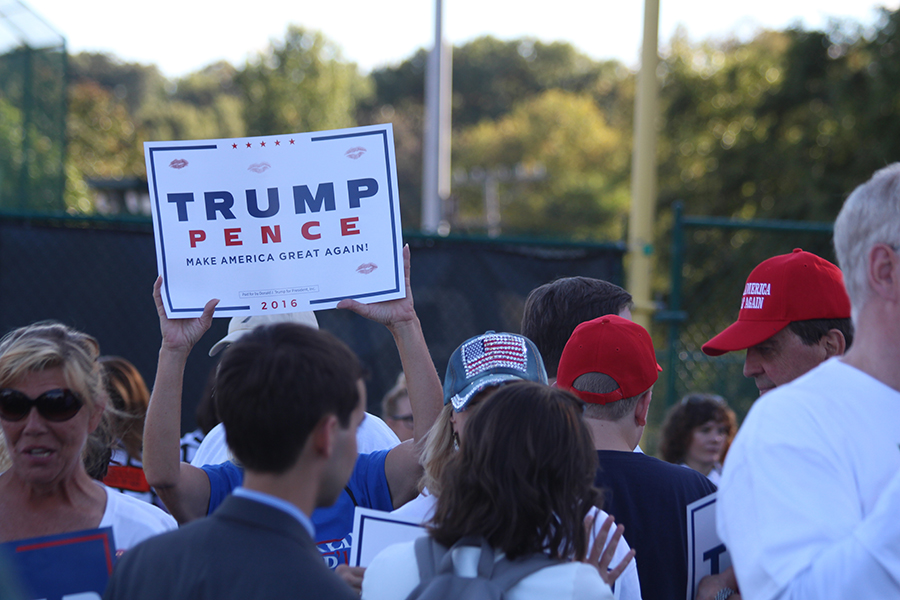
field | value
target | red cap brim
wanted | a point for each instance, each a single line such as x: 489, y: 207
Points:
x: 740, y: 335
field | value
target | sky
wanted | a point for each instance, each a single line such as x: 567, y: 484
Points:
x: 182, y: 36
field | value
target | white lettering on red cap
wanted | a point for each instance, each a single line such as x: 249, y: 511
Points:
x: 754, y: 295
x: 758, y: 289
x: 752, y: 302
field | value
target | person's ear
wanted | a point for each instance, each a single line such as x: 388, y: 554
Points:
x: 323, y: 436
x: 642, y: 408
x: 833, y: 343
x: 884, y: 271
x: 96, y: 416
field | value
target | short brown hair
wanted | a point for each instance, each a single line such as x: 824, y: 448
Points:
x: 273, y: 387
x: 555, y: 309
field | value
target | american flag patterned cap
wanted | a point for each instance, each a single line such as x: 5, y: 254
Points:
x: 490, y: 359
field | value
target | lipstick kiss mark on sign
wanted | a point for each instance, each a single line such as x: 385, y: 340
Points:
x: 178, y: 163
x: 355, y: 153
x: 259, y: 167
x: 366, y: 268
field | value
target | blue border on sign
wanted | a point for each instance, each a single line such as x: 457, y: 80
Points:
x: 363, y: 518
x: 387, y: 164
x: 387, y: 161
x: 162, y: 245
x: 693, y: 573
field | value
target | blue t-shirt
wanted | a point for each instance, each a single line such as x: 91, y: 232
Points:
x: 334, y: 525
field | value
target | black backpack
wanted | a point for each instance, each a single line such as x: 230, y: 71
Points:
x: 438, y: 579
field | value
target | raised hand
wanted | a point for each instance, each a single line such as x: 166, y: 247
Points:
x: 181, y: 334
x: 390, y: 312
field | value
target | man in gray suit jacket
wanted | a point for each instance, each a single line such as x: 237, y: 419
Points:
x: 291, y: 398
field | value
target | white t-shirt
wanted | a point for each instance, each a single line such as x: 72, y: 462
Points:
x: 627, y: 587
x: 189, y: 444
x: 809, y: 503
x: 418, y: 510
x: 212, y: 449
x: 373, y: 435
x: 394, y: 573
x: 133, y: 520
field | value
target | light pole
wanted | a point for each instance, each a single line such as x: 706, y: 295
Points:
x: 436, y: 143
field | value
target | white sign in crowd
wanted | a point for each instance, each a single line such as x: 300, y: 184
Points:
x: 707, y: 554
x: 282, y: 223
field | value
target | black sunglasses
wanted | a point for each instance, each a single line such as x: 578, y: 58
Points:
x: 54, y: 405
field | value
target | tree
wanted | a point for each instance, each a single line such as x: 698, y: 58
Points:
x: 490, y: 76
x: 133, y: 83
x: 564, y: 168
x: 782, y: 126
x: 300, y: 84
x: 490, y: 79
x: 206, y: 104
x: 104, y: 142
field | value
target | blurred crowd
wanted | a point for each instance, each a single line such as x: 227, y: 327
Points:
x: 523, y: 465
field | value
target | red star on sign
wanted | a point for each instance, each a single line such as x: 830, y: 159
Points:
x: 277, y: 143
x: 263, y: 144
x: 234, y: 145
x: 248, y: 144
x: 292, y: 142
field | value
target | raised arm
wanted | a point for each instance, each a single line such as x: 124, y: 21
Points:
x: 426, y: 395
x: 184, y: 489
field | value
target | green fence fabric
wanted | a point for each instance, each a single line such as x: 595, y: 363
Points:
x: 32, y: 126
x: 96, y: 275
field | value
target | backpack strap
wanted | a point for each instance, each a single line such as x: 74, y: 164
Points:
x: 485, y: 560
x: 508, y: 573
x: 428, y: 554
x: 434, y: 559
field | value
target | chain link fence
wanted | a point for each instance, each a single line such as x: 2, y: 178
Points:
x: 711, y: 259
x: 96, y: 275
x: 33, y: 77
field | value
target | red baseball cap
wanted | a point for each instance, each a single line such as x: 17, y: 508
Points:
x: 789, y: 287
x: 616, y: 347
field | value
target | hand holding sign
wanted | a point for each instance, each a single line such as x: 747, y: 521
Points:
x: 180, y: 335
x: 390, y: 313
x: 711, y: 585
x: 352, y: 576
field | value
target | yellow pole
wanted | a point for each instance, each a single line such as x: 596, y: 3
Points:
x: 643, y: 172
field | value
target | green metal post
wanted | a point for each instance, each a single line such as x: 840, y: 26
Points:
x: 26, y: 189
x: 675, y: 299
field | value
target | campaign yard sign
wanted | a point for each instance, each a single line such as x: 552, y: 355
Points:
x: 67, y: 566
x: 375, y: 530
x: 282, y: 223
x: 707, y: 554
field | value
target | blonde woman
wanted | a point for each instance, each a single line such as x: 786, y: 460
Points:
x: 51, y: 399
